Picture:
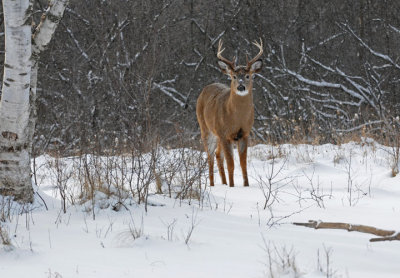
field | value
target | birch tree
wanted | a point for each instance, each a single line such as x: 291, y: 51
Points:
x: 17, y: 106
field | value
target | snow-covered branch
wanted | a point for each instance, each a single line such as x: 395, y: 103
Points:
x: 170, y: 92
x: 380, y: 55
x: 325, y: 84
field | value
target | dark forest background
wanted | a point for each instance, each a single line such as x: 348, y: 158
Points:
x: 126, y: 73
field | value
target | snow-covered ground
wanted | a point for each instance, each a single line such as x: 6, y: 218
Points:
x: 229, y: 234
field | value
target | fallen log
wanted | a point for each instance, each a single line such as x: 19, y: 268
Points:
x: 384, y: 235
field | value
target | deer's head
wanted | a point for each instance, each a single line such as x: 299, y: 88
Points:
x: 241, y: 76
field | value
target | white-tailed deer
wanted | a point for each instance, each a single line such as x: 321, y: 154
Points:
x: 226, y: 115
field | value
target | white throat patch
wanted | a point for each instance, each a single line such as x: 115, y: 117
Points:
x: 242, y: 93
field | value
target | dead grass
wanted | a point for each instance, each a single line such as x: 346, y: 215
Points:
x: 4, y: 237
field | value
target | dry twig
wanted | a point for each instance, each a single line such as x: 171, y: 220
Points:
x: 385, y: 235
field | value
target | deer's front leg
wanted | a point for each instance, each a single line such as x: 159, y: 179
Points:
x: 220, y: 162
x: 242, y: 148
x: 228, y: 153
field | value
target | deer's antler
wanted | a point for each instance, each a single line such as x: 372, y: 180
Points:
x: 219, y: 56
x: 260, y: 46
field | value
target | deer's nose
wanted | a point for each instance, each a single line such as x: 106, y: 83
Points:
x: 241, y: 88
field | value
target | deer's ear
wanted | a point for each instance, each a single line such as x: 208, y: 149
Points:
x: 225, y: 68
x: 256, y: 66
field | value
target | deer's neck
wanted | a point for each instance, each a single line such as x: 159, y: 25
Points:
x: 240, y: 104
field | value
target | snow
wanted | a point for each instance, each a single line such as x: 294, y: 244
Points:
x: 231, y: 234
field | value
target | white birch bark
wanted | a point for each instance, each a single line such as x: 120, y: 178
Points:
x: 41, y: 39
x: 15, y: 177
x: 17, y: 106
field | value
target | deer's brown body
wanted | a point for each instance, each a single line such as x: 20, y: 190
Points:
x: 226, y: 115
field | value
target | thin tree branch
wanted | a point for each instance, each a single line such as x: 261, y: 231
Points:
x: 385, y: 235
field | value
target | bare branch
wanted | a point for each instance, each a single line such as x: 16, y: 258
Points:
x: 385, y: 235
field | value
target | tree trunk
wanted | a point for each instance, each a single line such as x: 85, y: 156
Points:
x: 41, y: 39
x: 17, y: 106
x: 15, y: 173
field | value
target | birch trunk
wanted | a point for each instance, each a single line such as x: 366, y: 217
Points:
x: 15, y: 179
x: 17, y: 106
x: 41, y: 39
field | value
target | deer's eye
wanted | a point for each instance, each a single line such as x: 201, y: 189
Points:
x: 234, y: 77
x: 247, y: 76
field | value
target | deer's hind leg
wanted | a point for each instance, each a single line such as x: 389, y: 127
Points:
x: 219, y: 154
x: 242, y: 148
x: 210, y: 145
